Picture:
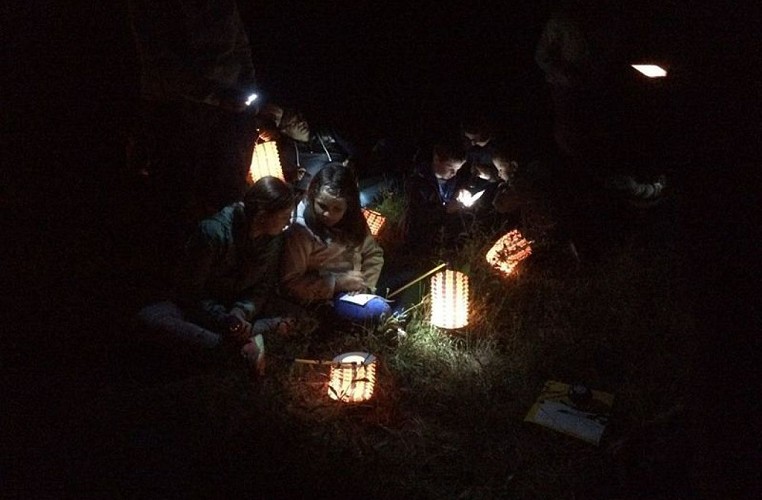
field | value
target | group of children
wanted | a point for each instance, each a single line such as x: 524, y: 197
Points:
x: 243, y: 275
x: 472, y: 187
x: 303, y: 243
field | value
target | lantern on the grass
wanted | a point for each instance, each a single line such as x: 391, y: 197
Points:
x: 508, y: 251
x: 449, y: 299
x: 265, y: 162
x: 353, y: 377
x: 375, y: 221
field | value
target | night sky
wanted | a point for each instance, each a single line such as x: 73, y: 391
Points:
x: 71, y: 89
x: 373, y: 68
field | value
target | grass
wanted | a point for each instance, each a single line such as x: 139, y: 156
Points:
x: 446, y: 418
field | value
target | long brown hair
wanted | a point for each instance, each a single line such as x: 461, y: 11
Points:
x: 268, y: 195
x: 338, y: 181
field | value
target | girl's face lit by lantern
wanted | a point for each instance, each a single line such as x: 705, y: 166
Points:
x: 328, y: 208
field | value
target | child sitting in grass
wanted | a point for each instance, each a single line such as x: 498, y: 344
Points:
x: 228, y: 275
x: 433, y: 213
x: 329, y: 249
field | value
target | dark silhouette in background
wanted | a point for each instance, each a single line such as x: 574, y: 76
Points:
x: 72, y: 212
x: 192, y: 136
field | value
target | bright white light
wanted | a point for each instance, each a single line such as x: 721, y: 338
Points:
x: 251, y: 98
x: 651, y: 70
x: 468, y: 199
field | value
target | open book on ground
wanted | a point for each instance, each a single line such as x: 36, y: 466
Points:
x: 585, y: 419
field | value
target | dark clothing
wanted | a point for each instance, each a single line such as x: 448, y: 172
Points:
x: 224, y: 268
x: 480, y: 155
x: 195, y: 56
x: 481, y: 217
x: 191, y: 50
x: 525, y: 201
x: 198, y: 157
x: 301, y: 161
x: 581, y: 53
x: 426, y: 219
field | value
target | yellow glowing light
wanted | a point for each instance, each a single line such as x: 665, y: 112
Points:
x: 353, y: 377
x: 508, y: 251
x: 651, y: 70
x: 375, y: 221
x: 265, y: 162
x: 449, y: 299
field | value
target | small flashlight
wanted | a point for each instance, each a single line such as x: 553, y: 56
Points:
x: 650, y: 70
x: 251, y: 98
x: 468, y: 199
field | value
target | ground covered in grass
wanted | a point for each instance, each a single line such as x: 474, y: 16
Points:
x: 446, y: 418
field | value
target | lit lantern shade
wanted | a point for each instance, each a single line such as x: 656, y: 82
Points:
x: 449, y: 299
x: 375, y: 221
x: 353, y: 377
x: 265, y: 162
x: 508, y: 251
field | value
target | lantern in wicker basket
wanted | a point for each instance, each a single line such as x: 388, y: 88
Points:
x: 449, y: 299
x: 375, y: 221
x: 508, y: 251
x: 265, y: 162
x: 353, y: 377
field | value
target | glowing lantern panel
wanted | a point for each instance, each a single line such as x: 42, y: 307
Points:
x: 353, y: 377
x: 449, y: 299
x: 375, y: 221
x: 508, y: 251
x: 265, y: 162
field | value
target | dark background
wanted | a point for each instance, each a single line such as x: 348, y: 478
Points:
x: 70, y: 90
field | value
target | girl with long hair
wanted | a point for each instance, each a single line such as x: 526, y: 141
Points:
x: 329, y: 249
x: 228, y: 276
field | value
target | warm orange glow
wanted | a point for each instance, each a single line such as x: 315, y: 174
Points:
x: 353, y: 377
x: 508, y: 251
x: 375, y: 221
x: 449, y: 299
x: 265, y: 162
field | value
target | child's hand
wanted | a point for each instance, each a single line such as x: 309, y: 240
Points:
x: 350, y: 281
x: 235, y: 326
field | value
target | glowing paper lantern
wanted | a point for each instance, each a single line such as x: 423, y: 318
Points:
x: 265, y: 162
x: 375, y: 221
x: 449, y: 299
x: 353, y: 377
x: 651, y: 70
x: 508, y: 251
